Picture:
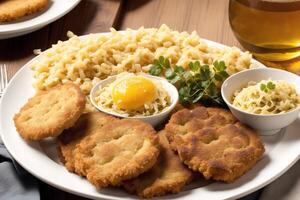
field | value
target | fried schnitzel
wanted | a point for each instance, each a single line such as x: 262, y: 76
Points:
x: 188, y: 121
x: 168, y: 175
x: 86, y: 125
x: 119, y: 151
x: 15, y: 9
x: 213, y: 142
x: 49, y: 112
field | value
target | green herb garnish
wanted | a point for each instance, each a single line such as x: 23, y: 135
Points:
x: 266, y: 87
x: 195, y: 85
x: 270, y: 85
x: 159, y: 65
x: 263, y: 87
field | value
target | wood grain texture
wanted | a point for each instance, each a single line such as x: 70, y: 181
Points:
x: 89, y: 16
x: 208, y: 17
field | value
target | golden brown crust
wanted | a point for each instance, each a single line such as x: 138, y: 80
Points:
x: 15, y: 9
x: 188, y: 121
x: 119, y: 151
x: 48, y: 113
x: 86, y: 125
x: 211, y: 141
x: 168, y: 175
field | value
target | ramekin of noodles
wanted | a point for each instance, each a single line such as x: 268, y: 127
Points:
x: 264, y: 98
x: 138, y: 96
x: 267, y: 97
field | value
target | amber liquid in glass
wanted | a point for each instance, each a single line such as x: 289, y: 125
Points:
x: 270, y: 29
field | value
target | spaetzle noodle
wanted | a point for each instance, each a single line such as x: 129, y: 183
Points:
x: 97, y: 56
x: 283, y: 98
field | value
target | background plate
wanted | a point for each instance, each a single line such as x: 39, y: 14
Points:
x: 30, y: 23
x: 41, y: 160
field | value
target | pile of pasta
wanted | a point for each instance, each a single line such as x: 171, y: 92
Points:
x: 87, y: 60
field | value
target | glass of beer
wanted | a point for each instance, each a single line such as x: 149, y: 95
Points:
x: 269, y: 29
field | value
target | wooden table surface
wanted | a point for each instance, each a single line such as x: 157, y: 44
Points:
x: 208, y: 17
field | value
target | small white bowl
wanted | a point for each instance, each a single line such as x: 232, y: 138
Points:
x: 152, y: 119
x: 265, y: 124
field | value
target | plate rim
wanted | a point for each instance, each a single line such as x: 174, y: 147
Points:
x: 40, y: 24
x: 100, y: 195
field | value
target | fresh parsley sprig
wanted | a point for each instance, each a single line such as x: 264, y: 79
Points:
x: 159, y: 65
x: 198, y: 84
x: 266, y: 87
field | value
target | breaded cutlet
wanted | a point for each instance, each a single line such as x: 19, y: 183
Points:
x: 14, y: 9
x: 85, y: 126
x: 49, y: 112
x: 212, y: 142
x: 119, y: 151
x: 168, y: 175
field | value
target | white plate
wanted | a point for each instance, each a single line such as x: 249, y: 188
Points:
x: 30, y: 23
x: 40, y: 158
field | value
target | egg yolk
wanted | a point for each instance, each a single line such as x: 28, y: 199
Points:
x: 132, y: 93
